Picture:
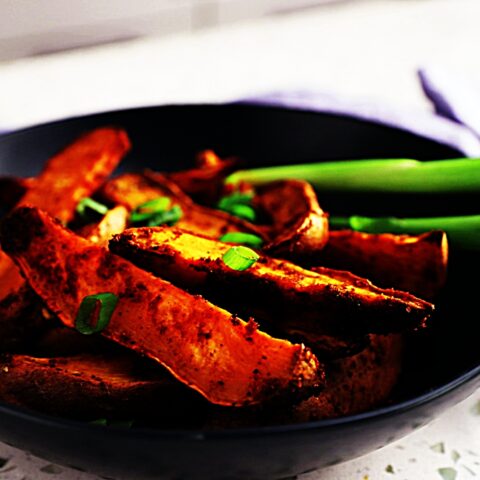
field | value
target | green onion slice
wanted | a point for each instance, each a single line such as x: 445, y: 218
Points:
x: 147, y: 210
x: 239, y: 205
x: 86, y: 205
x: 242, y: 198
x: 243, y: 211
x: 168, y: 217
x: 156, y: 212
x: 240, y: 258
x: 100, y: 306
x: 243, y: 239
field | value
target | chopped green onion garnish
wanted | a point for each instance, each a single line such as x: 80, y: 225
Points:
x: 147, y: 210
x: 462, y: 231
x: 168, y: 217
x: 243, y: 239
x: 243, y: 211
x: 88, y: 204
x: 240, y: 258
x: 102, y: 305
x: 238, y: 204
x: 382, y: 175
x: 242, y: 198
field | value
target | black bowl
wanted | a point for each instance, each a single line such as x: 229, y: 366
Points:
x: 442, y: 367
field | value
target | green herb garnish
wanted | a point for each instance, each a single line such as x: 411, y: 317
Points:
x: 169, y: 217
x: 101, y: 306
x: 239, y: 205
x: 156, y: 212
x: 389, y: 469
x: 88, y: 205
x: 242, y: 238
x: 382, y: 175
x: 240, y: 258
x: 146, y: 210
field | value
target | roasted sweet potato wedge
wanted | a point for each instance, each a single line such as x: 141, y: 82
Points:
x: 357, y: 383
x: 91, y: 385
x: 72, y: 174
x: 204, y: 183
x: 298, y: 227
x: 416, y: 264
x: 131, y: 190
x: 227, y: 360
x: 323, y: 302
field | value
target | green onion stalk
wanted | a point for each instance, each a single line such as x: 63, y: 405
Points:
x: 384, y: 176
x: 463, y: 232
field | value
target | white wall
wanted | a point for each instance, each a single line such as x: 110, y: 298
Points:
x: 30, y: 27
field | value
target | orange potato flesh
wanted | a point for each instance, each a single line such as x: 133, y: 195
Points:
x: 416, y: 264
x: 227, y: 360
x: 69, y: 176
x: 131, y: 190
x: 324, y: 302
x: 114, y: 222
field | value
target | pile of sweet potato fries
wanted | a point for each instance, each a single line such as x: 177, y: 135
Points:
x: 119, y: 297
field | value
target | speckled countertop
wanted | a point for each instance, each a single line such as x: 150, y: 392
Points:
x: 367, y: 50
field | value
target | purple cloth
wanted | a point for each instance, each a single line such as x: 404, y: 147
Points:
x: 453, y: 97
x: 441, y: 128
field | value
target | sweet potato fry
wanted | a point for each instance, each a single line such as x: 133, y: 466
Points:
x: 227, y: 360
x: 131, y: 190
x: 72, y: 174
x: 299, y: 227
x: 416, y: 264
x: 357, y: 383
x: 76, y: 172
x: 325, y: 302
x: 90, y: 386
x: 205, y: 182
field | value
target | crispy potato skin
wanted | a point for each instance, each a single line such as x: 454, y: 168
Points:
x: 131, y: 190
x: 299, y: 227
x: 227, y: 360
x: 330, y: 301
x: 358, y: 383
x: 88, y: 386
x: 416, y: 264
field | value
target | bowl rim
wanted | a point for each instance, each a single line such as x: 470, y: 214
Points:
x: 203, y: 434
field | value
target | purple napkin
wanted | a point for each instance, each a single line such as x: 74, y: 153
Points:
x: 452, y: 96
x: 443, y: 127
